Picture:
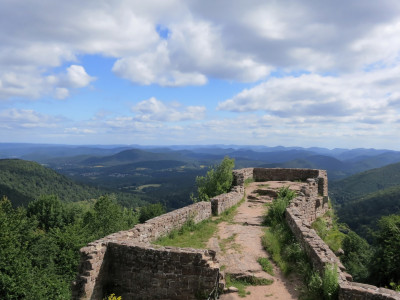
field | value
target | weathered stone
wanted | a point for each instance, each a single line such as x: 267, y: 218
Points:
x: 127, y: 263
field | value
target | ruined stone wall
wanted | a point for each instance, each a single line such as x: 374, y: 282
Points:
x: 164, y: 273
x: 127, y: 264
x: 239, y: 176
x: 311, y: 203
x: 277, y: 174
x: 299, y: 220
x: 94, y: 265
x: 222, y: 202
x: 360, y: 291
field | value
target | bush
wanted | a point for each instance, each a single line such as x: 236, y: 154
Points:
x: 217, y: 181
x: 151, y: 211
x: 314, y: 285
x: 330, y: 285
x: 386, y: 262
x: 357, y: 256
x: 276, y: 212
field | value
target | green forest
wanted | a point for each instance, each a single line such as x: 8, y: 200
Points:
x: 40, y: 244
x: 24, y: 181
x: 46, y: 217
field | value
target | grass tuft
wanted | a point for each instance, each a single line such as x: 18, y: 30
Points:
x: 242, y: 283
x: 192, y: 235
x: 266, y: 265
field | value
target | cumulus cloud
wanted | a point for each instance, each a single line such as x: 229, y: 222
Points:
x: 155, y: 110
x: 29, y: 83
x: 242, y: 42
x: 26, y: 118
x: 365, y: 96
x: 155, y: 67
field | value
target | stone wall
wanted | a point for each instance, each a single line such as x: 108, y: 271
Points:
x: 127, y: 264
x: 94, y: 266
x: 277, y: 174
x: 239, y: 176
x: 163, y: 273
x: 299, y: 216
x: 311, y: 203
x: 223, y: 202
x: 360, y: 291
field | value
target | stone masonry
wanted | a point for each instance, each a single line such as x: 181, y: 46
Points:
x: 125, y: 263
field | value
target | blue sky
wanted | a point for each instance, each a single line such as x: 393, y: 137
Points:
x: 292, y: 73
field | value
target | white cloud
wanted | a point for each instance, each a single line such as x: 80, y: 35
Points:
x: 26, y: 118
x: 77, y: 77
x: 242, y: 41
x: 357, y: 96
x: 155, y: 67
x: 30, y: 83
x: 75, y: 130
x: 155, y: 110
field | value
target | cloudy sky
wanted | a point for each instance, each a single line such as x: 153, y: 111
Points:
x: 292, y: 73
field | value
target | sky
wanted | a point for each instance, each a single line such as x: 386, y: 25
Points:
x: 182, y: 72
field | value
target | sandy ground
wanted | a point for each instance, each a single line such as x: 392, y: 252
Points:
x: 238, y: 245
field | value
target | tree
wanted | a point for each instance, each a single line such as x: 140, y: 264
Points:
x: 218, y: 180
x: 107, y: 217
x: 357, y: 256
x: 387, y: 258
x: 16, y: 274
x: 150, y: 211
x: 48, y: 210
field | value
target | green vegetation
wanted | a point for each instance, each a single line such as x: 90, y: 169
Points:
x: 386, y: 261
x: 359, y: 185
x: 150, y: 211
x: 24, y: 181
x: 247, y: 181
x: 218, y: 180
x: 266, y: 265
x: 276, y: 211
x: 286, y: 252
x: 330, y: 284
x: 378, y: 263
x: 362, y: 199
x: 190, y: 235
x: 39, y: 246
x: 242, y: 283
x: 330, y: 230
x: 197, y: 235
x: 357, y: 257
x: 362, y: 214
x: 229, y: 243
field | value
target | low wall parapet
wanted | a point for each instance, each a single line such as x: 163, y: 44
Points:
x: 127, y: 264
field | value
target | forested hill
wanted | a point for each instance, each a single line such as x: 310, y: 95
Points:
x: 362, y: 199
x: 358, y: 185
x: 23, y: 181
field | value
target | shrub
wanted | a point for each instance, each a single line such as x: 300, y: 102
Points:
x: 314, y: 286
x: 330, y: 285
x: 151, y: 211
x: 276, y: 212
x: 357, y: 256
x: 218, y: 180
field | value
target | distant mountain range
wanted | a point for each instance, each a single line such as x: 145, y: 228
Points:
x: 338, y: 162
x: 363, y: 182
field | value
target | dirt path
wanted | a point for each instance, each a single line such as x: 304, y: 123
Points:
x: 238, y: 245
